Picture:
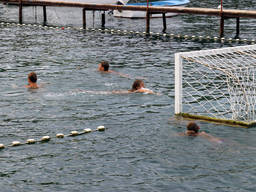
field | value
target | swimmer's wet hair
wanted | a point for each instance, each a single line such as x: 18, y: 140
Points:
x: 192, y: 126
x: 105, y: 65
x: 32, y: 77
x: 136, y: 84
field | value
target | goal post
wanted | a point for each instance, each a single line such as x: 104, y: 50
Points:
x: 217, y: 85
x: 178, y: 83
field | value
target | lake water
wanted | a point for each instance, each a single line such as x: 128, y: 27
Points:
x: 140, y: 149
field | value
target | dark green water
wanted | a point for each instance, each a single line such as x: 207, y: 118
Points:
x: 140, y: 150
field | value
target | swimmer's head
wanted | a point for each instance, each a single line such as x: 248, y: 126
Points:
x: 137, y: 84
x: 103, y: 66
x: 192, y: 126
x: 32, y: 77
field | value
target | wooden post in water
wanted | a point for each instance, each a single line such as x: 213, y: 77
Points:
x: 103, y: 20
x: 237, y: 27
x: 221, y: 20
x: 164, y: 23
x: 221, y: 26
x: 148, y: 22
x: 84, y: 18
x: 20, y: 11
x: 147, y: 19
x: 44, y: 15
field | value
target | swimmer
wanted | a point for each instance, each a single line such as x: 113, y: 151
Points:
x: 104, y: 67
x: 32, y: 79
x: 193, y: 130
x: 137, y: 87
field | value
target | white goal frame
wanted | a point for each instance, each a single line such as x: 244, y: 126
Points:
x: 239, y: 72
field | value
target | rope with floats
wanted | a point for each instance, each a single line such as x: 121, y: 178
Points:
x: 166, y: 36
x: 48, y: 138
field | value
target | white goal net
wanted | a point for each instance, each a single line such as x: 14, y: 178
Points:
x: 218, y: 83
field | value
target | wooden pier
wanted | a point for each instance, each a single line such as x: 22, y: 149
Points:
x: 221, y: 13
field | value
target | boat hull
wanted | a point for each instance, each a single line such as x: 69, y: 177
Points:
x: 139, y: 14
x: 142, y: 14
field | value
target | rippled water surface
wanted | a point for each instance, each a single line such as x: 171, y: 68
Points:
x: 140, y: 149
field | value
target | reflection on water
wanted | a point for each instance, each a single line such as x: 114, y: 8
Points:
x: 140, y: 150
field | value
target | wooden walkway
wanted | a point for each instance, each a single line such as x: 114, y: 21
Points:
x: 222, y: 14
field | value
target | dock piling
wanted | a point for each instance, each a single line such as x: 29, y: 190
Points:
x: 44, y: 15
x: 20, y: 11
x: 84, y: 18
x: 237, y: 27
x: 147, y: 22
x: 221, y: 26
x: 103, y: 20
x: 164, y: 22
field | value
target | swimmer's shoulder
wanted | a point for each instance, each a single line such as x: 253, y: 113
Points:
x: 32, y: 86
x: 145, y: 90
x: 36, y: 86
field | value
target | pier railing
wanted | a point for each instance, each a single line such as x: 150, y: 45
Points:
x: 222, y: 13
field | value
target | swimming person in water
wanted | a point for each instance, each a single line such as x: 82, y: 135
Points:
x: 138, y: 86
x: 193, y: 130
x: 32, y: 81
x: 104, y: 67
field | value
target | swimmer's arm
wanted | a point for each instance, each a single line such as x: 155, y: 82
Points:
x: 125, y: 75
x: 128, y: 76
x: 120, y: 92
x: 121, y: 74
x: 145, y: 90
x: 142, y: 78
x: 182, y: 134
x: 149, y: 91
x: 210, y: 137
